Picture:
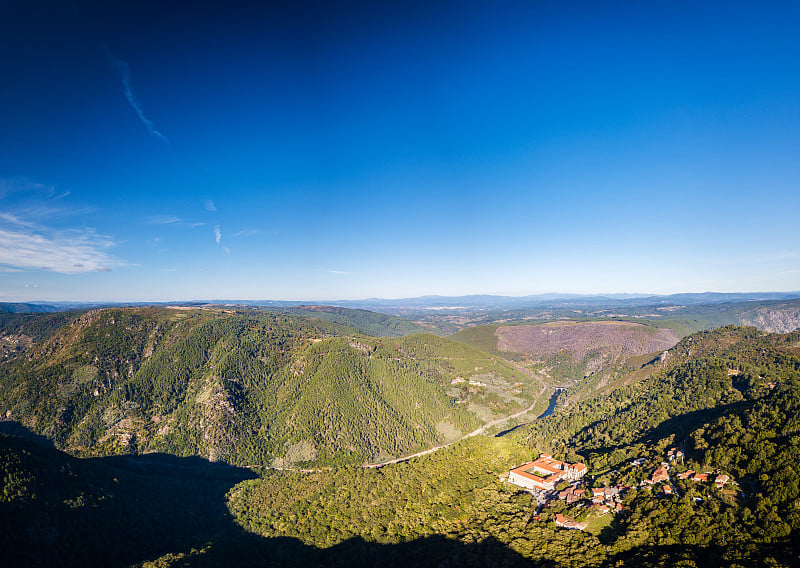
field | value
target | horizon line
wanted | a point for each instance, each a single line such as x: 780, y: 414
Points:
x: 310, y: 301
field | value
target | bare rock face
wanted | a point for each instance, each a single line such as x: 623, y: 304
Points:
x: 575, y: 350
x: 773, y: 319
x: 579, y: 339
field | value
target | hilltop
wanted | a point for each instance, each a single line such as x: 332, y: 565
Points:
x: 248, y: 387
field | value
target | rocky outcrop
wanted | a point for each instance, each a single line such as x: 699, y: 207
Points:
x: 773, y: 319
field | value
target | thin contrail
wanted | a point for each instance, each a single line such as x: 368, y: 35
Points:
x: 125, y: 76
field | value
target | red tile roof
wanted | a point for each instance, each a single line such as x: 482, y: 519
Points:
x: 549, y: 466
x: 660, y: 475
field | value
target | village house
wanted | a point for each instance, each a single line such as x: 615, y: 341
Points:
x: 567, y: 523
x: 571, y: 494
x: 604, y: 500
x: 720, y: 480
x: 675, y: 454
x: 659, y: 475
x: 606, y: 497
x: 606, y: 493
x: 545, y: 472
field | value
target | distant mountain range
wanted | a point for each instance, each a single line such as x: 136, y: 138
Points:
x: 469, y: 302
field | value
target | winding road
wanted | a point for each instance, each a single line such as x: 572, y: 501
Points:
x: 475, y: 432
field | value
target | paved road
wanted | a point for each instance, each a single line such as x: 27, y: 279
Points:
x: 475, y: 432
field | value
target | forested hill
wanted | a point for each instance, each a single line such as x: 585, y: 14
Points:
x: 704, y: 375
x: 366, y: 322
x: 730, y: 399
x: 246, y: 387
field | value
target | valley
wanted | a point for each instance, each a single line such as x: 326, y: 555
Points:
x: 216, y: 435
x: 254, y: 388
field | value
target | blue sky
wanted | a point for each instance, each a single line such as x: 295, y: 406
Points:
x: 333, y: 151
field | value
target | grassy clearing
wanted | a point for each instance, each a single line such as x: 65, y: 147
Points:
x: 596, y: 524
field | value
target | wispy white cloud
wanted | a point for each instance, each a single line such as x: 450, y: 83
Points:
x: 31, y: 285
x: 162, y: 220
x: 124, y: 71
x: 246, y: 233
x: 17, y: 185
x: 171, y: 220
x: 337, y: 272
x: 28, y: 242
x: 66, y: 251
x: 30, y: 203
x: 42, y: 212
x: 209, y: 205
x: 217, y: 234
x: 13, y: 219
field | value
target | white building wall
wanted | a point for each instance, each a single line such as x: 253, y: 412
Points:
x: 517, y: 479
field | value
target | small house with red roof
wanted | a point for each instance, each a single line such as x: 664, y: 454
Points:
x: 567, y: 523
x: 660, y: 475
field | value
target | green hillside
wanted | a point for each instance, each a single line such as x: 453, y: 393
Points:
x: 365, y: 321
x: 733, y: 404
x: 250, y: 388
x: 730, y: 398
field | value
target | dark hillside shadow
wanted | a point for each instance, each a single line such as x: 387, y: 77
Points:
x: 17, y: 429
x: 679, y: 426
x: 685, y: 423
x: 167, y: 465
x: 512, y: 429
x: 749, y: 554
x: 433, y: 552
x: 128, y: 510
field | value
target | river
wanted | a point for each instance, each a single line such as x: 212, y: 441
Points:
x: 552, y: 406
